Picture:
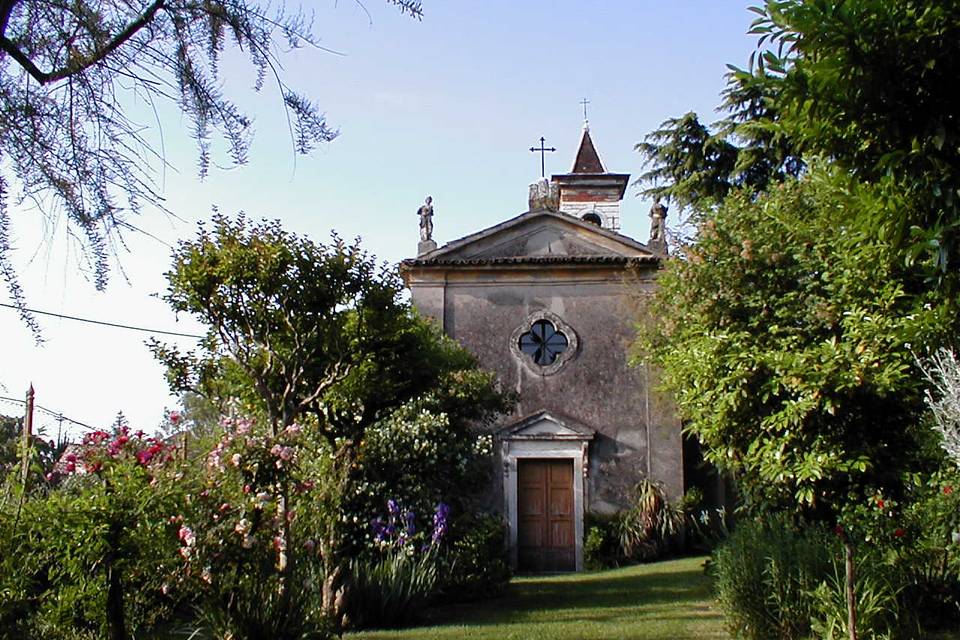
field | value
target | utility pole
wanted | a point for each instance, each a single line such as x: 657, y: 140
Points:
x: 27, y: 434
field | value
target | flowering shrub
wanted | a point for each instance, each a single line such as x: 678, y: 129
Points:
x: 419, y: 456
x: 90, y: 555
x: 248, y: 535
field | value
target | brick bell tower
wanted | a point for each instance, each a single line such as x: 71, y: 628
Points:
x: 589, y: 192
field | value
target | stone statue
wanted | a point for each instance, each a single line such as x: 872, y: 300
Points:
x: 426, y: 220
x: 658, y: 218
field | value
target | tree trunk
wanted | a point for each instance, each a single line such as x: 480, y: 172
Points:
x: 850, y: 590
x: 333, y: 593
x: 116, y: 624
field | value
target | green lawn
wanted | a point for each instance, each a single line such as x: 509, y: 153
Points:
x: 664, y: 600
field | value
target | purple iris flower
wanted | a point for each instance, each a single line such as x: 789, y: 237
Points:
x: 440, y: 518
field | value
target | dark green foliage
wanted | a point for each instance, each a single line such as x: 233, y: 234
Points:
x: 928, y: 562
x: 391, y: 588
x: 249, y: 607
x: 649, y: 529
x: 764, y: 574
x: 43, y: 454
x: 787, y: 336
x: 59, y: 559
x: 865, y: 85
x: 475, y: 562
x: 601, y: 544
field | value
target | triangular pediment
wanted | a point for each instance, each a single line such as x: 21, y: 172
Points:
x: 545, y: 426
x: 539, y: 234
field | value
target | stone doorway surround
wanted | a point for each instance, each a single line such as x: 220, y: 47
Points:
x: 544, y: 436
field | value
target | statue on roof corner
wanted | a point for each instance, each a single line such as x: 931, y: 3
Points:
x: 658, y: 219
x: 426, y: 220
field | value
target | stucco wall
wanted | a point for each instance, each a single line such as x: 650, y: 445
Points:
x: 482, y: 309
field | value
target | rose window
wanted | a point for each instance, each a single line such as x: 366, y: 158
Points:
x: 543, y: 342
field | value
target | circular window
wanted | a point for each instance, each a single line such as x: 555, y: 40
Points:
x: 543, y: 342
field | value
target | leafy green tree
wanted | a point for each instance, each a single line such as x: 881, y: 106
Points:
x: 863, y: 84
x: 318, y: 334
x: 69, y: 70
x: 786, y: 334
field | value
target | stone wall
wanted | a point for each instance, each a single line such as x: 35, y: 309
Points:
x: 637, y: 433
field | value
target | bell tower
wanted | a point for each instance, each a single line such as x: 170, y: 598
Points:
x: 589, y: 192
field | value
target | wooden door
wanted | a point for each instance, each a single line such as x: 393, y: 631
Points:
x: 545, y: 526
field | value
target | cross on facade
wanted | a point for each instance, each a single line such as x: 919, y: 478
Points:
x: 543, y: 151
x: 584, y: 102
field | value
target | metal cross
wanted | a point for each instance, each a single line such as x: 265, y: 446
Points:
x: 584, y: 102
x: 543, y: 151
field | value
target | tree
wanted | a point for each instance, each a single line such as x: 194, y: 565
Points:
x: 786, y: 334
x: 307, y: 332
x: 68, y: 73
x: 821, y: 84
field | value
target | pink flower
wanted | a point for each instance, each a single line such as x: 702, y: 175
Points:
x: 947, y: 490
x: 70, y: 457
x: 224, y: 507
x: 174, y: 417
x: 70, y: 467
x: 247, y: 488
x: 186, y: 535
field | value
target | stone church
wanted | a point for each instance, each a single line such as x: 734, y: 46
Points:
x: 548, y: 300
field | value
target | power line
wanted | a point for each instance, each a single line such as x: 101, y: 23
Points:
x: 51, y: 413
x: 101, y: 322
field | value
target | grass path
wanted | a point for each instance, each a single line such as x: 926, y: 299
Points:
x: 667, y: 600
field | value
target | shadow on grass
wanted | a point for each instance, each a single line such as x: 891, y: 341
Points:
x: 653, y: 591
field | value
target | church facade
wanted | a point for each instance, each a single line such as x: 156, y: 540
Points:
x: 548, y: 300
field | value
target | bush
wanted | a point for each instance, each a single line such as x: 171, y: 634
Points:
x: 391, y: 589
x: 765, y: 573
x: 651, y: 527
x: 391, y: 584
x: 88, y: 558
x: 601, y: 544
x: 876, y: 604
x: 928, y: 564
x: 475, y: 564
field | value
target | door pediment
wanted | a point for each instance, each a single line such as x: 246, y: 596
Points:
x: 544, y: 426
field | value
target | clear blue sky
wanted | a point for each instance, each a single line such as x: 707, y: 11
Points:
x: 446, y: 107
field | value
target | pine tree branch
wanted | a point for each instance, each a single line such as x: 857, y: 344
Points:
x: 71, y: 69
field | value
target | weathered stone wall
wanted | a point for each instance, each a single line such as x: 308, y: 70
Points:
x: 637, y: 433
